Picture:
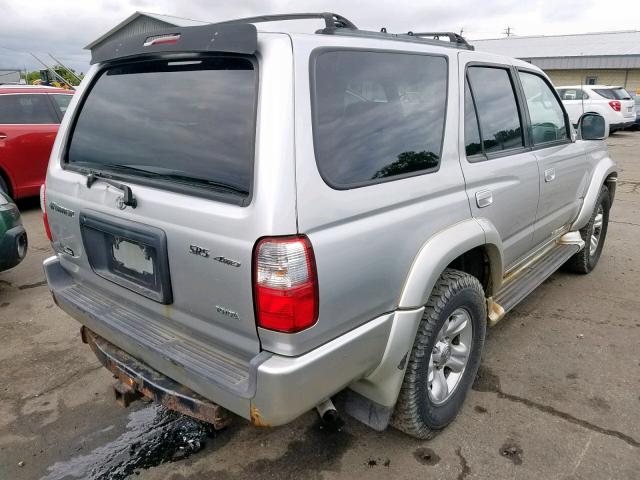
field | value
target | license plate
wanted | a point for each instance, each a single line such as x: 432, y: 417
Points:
x: 132, y: 256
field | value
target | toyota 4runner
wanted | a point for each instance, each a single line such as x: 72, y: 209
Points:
x: 256, y: 222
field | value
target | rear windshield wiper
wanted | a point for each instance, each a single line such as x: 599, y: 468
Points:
x: 166, y: 174
x: 128, y: 200
x: 182, y: 177
x: 197, y: 180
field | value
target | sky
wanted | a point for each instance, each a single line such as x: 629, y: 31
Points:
x: 63, y: 28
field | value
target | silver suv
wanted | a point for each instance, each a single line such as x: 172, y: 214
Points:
x: 257, y: 222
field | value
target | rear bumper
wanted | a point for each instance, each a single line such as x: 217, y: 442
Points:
x: 13, y: 247
x: 269, y: 390
x: 621, y: 125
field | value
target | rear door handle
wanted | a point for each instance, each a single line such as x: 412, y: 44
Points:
x: 484, y: 198
x: 3, y: 136
x: 549, y: 174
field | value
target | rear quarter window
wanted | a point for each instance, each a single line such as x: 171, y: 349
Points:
x: 613, y: 93
x: 377, y: 115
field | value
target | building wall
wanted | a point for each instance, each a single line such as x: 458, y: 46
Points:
x: 140, y: 25
x: 630, y: 79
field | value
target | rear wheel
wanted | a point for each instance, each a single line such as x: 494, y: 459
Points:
x: 594, y: 235
x: 4, y: 188
x: 445, y: 356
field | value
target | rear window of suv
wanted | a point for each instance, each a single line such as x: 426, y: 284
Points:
x: 613, y: 93
x: 377, y: 115
x: 186, y: 124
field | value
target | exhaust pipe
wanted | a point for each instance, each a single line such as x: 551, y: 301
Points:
x: 329, y: 415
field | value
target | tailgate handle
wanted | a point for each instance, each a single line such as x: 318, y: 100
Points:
x: 127, y: 200
x: 3, y: 136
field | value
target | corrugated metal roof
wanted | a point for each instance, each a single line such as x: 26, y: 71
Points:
x: 169, y: 19
x: 585, y: 44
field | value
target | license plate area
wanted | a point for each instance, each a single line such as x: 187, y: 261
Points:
x: 130, y: 254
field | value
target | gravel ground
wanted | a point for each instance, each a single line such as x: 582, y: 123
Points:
x: 558, y: 395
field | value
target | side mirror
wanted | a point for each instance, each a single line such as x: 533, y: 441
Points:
x: 593, y: 126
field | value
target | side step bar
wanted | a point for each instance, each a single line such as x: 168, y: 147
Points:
x: 519, y: 284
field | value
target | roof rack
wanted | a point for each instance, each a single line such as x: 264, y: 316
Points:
x: 331, y: 20
x: 453, y: 37
x: 457, y: 42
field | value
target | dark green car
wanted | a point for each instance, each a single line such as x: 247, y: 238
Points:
x: 13, y: 237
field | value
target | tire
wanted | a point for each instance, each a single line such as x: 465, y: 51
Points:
x: 3, y: 186
x: 418, y: 413
x: 586, y: 259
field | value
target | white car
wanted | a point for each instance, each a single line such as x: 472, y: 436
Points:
x: 613, y: 103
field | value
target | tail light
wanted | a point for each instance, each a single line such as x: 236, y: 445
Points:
x: 615, y: 105
x: 43, y: 206
x: 285, y: 284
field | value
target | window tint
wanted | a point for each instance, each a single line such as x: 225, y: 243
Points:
x: 497, y: 108
x: 62, y: 101
x: 471, y: 132
x: 26, y: 109
x: 572, y: 94
x: 546, y: 114
x: 613, y: 93
x: 377, y: 115
x: 181, y: 122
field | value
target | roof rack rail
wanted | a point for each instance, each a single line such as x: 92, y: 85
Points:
x: 331, y: 20
x: 453, y: 37
x: 400, y: 37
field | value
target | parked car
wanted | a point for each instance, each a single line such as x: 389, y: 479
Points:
x: 613, y: 103
x: 29, y: 120
x: 284, y: 216
x: 13, y: 237
x: 636, y: 124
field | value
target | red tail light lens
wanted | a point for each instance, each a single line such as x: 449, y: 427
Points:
x: 43, y: 205
x: 615, y: 105
x: 285, y: 284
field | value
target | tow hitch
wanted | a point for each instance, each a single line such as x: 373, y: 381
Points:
x: 135, y: 380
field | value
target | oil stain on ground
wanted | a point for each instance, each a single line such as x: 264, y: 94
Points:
x: 154, y: 436
x: 320, y: 450
x: 426, y: 456
x: 512, y: 451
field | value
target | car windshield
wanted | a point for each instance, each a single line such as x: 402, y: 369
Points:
x: 187, y: 122
x: 617, y: 93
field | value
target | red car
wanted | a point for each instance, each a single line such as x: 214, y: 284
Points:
x: 29, y: 120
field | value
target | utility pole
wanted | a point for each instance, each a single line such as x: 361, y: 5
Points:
x: 461, y: 31
x: 508, y: 31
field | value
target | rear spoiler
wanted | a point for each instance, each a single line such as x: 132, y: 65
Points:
x: 230, y: 38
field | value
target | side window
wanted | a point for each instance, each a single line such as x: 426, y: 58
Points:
x: 26, y: 109
x: 471, y: 132
x: 62, y: 101
x: 546, y: 114
x: 377, y: 115
x: 497, y: 109
x: 572, y: 94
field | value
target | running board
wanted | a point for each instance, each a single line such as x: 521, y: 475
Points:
x: 525, y: 279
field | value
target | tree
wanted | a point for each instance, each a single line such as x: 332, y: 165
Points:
x: 68, y: 75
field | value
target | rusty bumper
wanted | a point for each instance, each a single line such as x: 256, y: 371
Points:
x: 135, y: 379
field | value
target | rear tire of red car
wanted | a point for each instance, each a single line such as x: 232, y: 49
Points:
x: 3, y: 186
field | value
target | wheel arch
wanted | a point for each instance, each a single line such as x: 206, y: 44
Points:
x: 459, y: 246
x: 7, y: 179
x: 605, y: 173
x: 471, y: 237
